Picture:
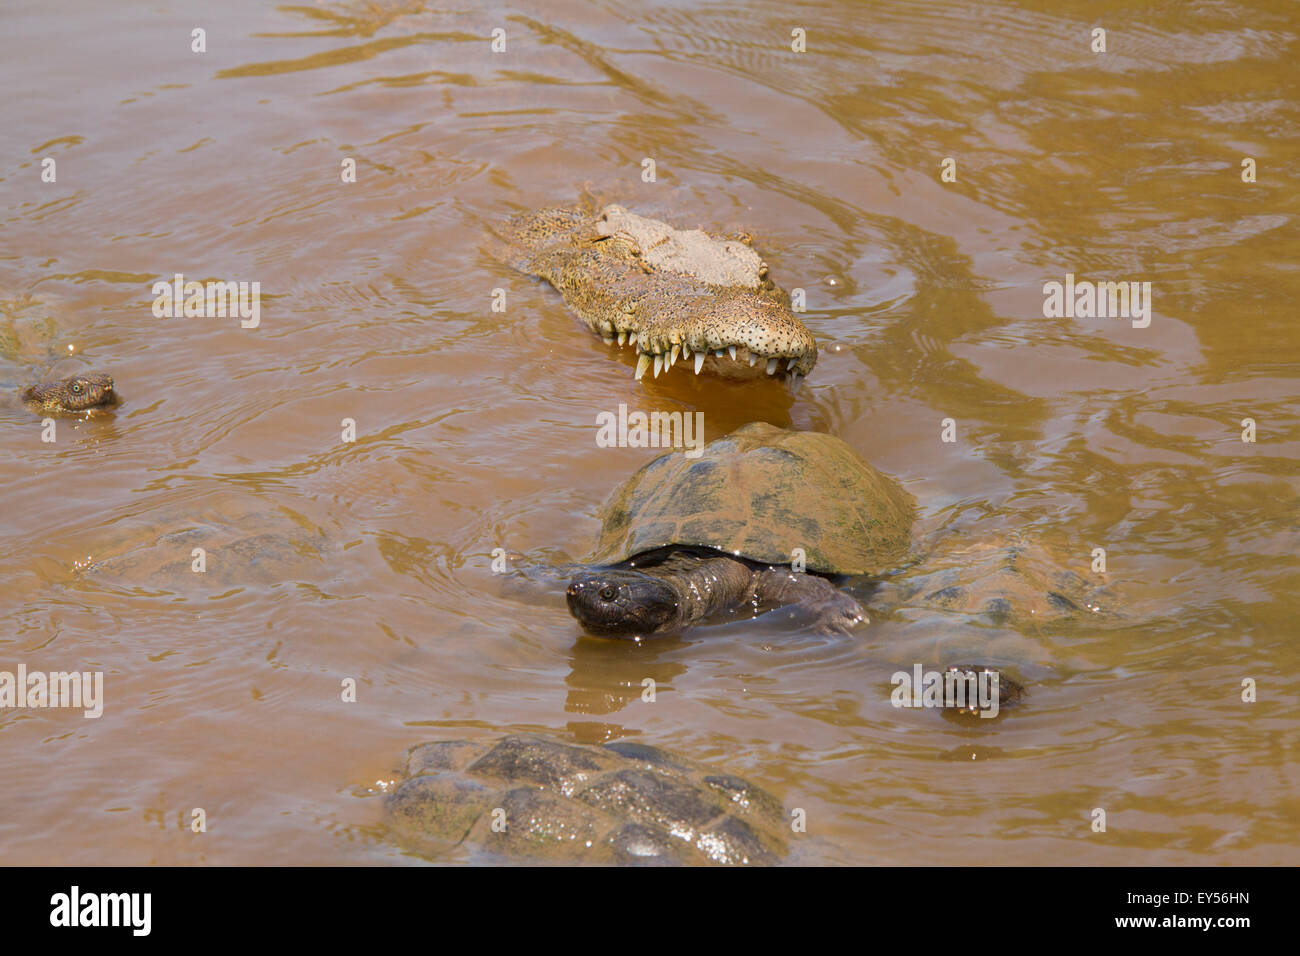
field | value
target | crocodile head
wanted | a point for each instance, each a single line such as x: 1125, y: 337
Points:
x: 670, y: 293
x: 76, y: 393
x: 731, y: 335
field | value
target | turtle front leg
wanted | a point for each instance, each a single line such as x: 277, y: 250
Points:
x: 827, y: 608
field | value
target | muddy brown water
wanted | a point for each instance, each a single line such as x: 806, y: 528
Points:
x: 476, y: 430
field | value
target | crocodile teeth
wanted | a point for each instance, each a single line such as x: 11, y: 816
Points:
x: 732, y: 350
x: 607, y: 339
x: 631, y: 338
x: 622, y: 338
x: 771, y: 366
x: 642, y: 363
x: 699, y: 362
x: 686, y: 351
x: 677, y: 350
x: 753, y: 357
x: 795, y: 381
x: 718, y: 352
x: 659, y: 364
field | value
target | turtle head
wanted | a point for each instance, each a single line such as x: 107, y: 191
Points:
x: 77, y: 393
x: 622, y: 603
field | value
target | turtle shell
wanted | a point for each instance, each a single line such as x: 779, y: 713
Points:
x: 249, y: 543
x: 624, y: 802
x: 28, y: 332
x: 760, y: 493
x: 1008, y: 579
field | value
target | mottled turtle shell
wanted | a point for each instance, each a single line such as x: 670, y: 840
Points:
x: 760, y: 493
x: 28, y: 333
x: 621, y: 803
x: 249, y: 542
x: 1009, y: 579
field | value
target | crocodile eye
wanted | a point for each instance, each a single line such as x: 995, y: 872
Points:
x: 607, y: 593
x: 76, y: 388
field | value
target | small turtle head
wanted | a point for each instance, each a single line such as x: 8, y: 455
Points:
x: 621, y: 603
x: 77, y: 393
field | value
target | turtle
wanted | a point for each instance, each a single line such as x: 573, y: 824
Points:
x: 994, y: 596
x: 767, y: 517
x: 1005, y: 579
x: 215, y: 542
x: 668, y: 293
x: 534, y: 797
x: 764, y: 517
x: 28, y: 334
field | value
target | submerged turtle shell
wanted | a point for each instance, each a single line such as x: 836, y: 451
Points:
x: 532, y: 797
x: 1010, y: 580
x: 759, y: 493
x: 248, y: 542
x: 28, y: 332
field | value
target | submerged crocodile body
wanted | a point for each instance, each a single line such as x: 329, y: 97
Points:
x: 670, y: 293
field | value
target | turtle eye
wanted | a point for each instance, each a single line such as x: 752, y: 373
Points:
x: 76, y: 388
x: 607, y: 593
